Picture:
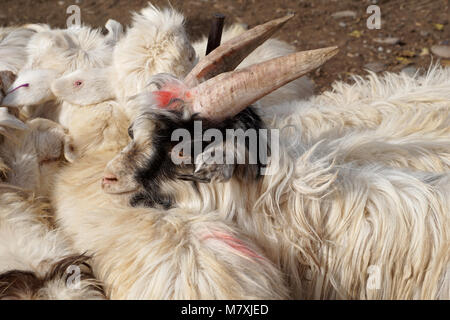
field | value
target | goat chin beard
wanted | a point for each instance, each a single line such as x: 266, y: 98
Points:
x: 121, y: 198
x: 120, y: 193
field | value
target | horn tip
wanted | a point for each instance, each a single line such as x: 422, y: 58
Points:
x: 329, y: 51
x: 334, y: 50
x: 287, y: 17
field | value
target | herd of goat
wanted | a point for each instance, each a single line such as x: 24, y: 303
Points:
x: 356, y: 206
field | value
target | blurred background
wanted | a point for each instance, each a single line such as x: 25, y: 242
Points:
x: 413, y: 33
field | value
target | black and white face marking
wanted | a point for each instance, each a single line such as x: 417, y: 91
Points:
x: 145, y: 169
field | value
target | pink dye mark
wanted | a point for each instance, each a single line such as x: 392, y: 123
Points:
x: 171, y: 96
x: 233, y: 242
x: 26, y: 85
x: 164, y: 98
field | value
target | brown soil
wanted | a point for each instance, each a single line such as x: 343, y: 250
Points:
x: 418, y: 24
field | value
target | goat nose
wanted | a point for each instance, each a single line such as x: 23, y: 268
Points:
x: 109, y: 179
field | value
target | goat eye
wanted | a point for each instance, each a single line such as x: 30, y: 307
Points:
x: 78, y: 83
x: 131, y: 133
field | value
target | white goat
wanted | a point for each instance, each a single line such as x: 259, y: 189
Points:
x: 53, y: 53
x: 180, y: 255
x: 156, y: 42
x: 327, y: 218
x: 36, y: 261
x: 13, y: 42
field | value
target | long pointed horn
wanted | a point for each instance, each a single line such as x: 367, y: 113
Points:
x: 231, y: 53
x: 229, y: 93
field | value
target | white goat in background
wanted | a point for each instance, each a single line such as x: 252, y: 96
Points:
x: 13, y: 42
x: 155, y: 42
x: 52, y: 53
x: 36, y: 260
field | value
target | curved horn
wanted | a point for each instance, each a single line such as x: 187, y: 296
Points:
x: 229, y: 93
x: 230, y: 54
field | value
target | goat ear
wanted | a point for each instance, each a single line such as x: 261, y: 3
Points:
x: 69, y: 149
x: 10, y: 121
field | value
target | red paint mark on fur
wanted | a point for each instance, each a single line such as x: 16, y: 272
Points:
x: 165, y: 97
x: 233, y: 242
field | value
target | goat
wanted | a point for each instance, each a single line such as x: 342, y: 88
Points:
x: 13, y: 56
x: 334, y: 210
x: 196, y: 249
x: 36, y: 260
x: 155, y: 42
x: 177, y: 256
x: 53, y: 53
x: 300, y: 234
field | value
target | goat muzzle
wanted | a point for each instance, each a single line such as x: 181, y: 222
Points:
x: 109, y: 179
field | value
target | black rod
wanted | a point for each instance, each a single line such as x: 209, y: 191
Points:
x: 215, y: 33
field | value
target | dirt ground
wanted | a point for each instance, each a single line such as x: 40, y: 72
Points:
x: 417, y: 25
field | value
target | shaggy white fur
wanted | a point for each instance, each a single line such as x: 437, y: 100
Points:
x: 33, y: 255
x: 51, y: 54
x: 13, y: 42
x: 357, y: 205
x: 155, y: 43
x: 364, y: 186
x: 176, y: 255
